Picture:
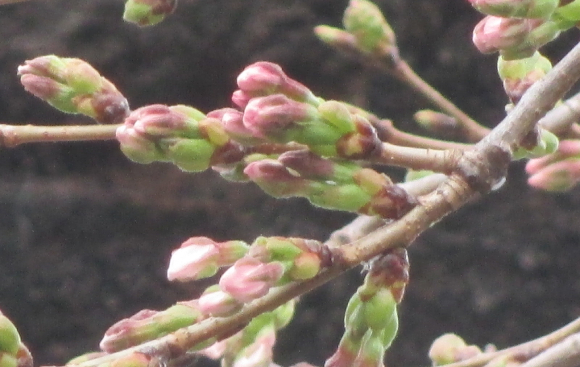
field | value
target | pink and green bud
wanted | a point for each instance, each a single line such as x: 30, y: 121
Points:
x: 265, y: 78
x: 346, y: 352
x: 201, y: 257
x: 249, y: 278
x: 514, y: 38
x: 217, y: 303
x: 305, y: 266
x: 178, y: 134
x: 519, y: 75
x: 260, y: 352
x: 275, y: 179
x: 372, y: 351
x: 148, y: 325
x: 73, y: 86
x: 337, y: 114
x: 273, y: 115
x: 450, y: 348
x: 542, y: 9
x: 148, y: 12
x: 545, y: 143
x: 391, y: 270
x: 85, y: 357
x: 233, y: 124
x: 365, y: 21
x: 335, y: 37
x: 313, y: 167
x: 361, y: 143
x: 559, y: 171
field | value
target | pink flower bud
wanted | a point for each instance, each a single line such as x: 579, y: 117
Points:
x: 272, y: 115
x: 249, y: 278
x: 218, y: 304
x: 493, y: 34
x: 559, y: 176
x: 195, y: 259
x: 265, y: 78
x: 232, y: 122
x: 274, y: 178
x: 258, y: 354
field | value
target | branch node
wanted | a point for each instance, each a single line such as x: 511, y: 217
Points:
x: 484, y: 169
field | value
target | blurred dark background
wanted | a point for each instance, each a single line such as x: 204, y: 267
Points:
x: 85, y: 235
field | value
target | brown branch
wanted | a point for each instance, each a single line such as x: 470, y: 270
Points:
x: 418, y: 158
x: 13, y: 135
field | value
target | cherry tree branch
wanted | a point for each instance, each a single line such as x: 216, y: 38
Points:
x: 13, y: 135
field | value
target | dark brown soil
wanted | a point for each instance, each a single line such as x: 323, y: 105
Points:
x: 85, y: 235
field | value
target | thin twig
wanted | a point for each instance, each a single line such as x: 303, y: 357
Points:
x: 13, y: 135
x: 418, y: 158
x: 469, y: 127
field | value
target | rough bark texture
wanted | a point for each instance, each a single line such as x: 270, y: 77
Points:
x: 85, y: 235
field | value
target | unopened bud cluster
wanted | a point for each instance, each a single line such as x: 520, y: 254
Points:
x: 73, y: 86
x: 450, y: 348
x: 252, y: 270
x: 518, y: 28
x: 371, y: 320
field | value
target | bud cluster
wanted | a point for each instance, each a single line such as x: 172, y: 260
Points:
x: 252, y: 271
x: 518, y: 28
x: 330, y: 183
x: 371, y: 320
x: 178, y: 134
x: 279, y: 109
x: 73, y: 86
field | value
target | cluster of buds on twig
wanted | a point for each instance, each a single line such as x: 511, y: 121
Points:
x: 252, y: 270
x: 328, y: 183
x: 13, y: 353
x: 371, y: 320
x: 73, y: 86
x: 178, y: 134
x: 518, y: 28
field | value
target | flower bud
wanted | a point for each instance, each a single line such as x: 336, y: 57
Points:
x: 335, y: 37
x: 148, y: 325
x: 366, y: 23
x: 217, y: 303
x: 515, y: 38
x: 266, y: 78
x: 519, y: 75
x: 271, y: 116
x: 201, y: 257
x: 493, y: 33
x: 73, y: 86
x: 450, y: 348
x: 516, y: 8
x: 249, y: 279
x: 148, y: 12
